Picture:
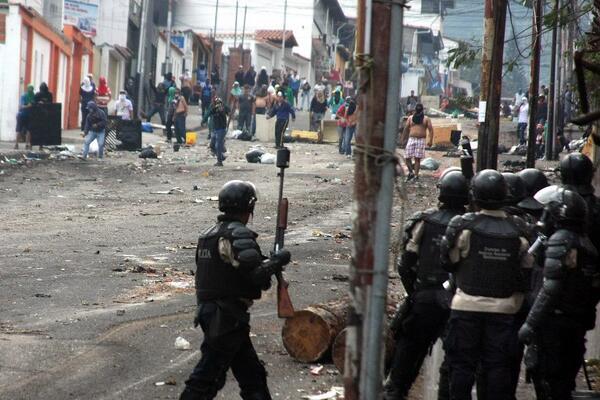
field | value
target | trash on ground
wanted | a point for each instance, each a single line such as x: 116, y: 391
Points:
x: 335, y: 392
x: 430, y: 164
x: 43, y: 295
x: 332, y: 165
x: 253, y: 155
x: 520, y: 150
x: 212, y: 198
x: 182, y: 344
x: 268, y: 158
x: 175, y: 190
x: 316, y: 370
x: 148, y: 152
x: 120, y: 312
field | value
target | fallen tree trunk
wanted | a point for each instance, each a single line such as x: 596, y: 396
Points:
x: 308, y: 336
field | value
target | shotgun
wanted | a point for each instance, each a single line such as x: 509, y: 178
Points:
x: 285, y: 309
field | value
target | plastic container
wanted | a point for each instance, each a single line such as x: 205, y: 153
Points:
x: 190, y: 138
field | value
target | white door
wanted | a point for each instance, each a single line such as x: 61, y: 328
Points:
x: 61, y: 84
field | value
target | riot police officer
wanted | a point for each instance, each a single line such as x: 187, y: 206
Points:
x: 231, y: 273
x: 565, y: 308
x: 576, y: 174
x: 534, y: 181
x: 486, y: 252
x: 426, y: 312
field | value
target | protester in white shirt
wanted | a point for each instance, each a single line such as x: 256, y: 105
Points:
x: 523, y: 120
x: 124, y: 107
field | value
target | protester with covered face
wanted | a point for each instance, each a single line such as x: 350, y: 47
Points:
x: 417, y: 126
x: 318, y: 108
x: 335, y: 102
x: 283, y: 110
x: 95, y: 128
x: 218, y: 114
x: 86, y: 94
x: 103, y: 95
x: 123, y: 106
x: 23, y: 117
x: 44, y: 96
x: 170, y: 112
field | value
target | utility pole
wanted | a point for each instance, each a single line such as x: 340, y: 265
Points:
x: 538, y: 9
x: 283, y: 39
x: 235, y: 29
x: 167, y: 65
x: 550, y: 139
x: 212, y: 53
x: 244, y: 31
x: 491, y: 82
x: 142, y: 56
x: 379, y: 25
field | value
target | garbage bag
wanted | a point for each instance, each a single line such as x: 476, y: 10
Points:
x: 268, y: 158
x: 430, y: 164
x: 253, y: 156
x: 148, y: 152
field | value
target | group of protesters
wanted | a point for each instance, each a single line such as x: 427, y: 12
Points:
x: 24, y: 115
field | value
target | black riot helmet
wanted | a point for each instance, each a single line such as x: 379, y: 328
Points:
x: 489, y: 189
x: 516, y: 188
x: 534, y: 181
x: 237, y: 197
x: 577, y: 170
x: 454, y: 188
x: 565, y: 208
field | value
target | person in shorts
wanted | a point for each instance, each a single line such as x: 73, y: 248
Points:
x: 417, y: 126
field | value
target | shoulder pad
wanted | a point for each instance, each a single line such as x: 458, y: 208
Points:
x: 411, y: 222
x: 557, y: 248
x: 563, y: 237
x: 213, y: 230
x: 455, y: 226
x: 241, y: 231
x: 521, y: 225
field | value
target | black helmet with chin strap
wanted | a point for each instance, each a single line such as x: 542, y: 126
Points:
x: 489, y: 189
x: 237, y: 196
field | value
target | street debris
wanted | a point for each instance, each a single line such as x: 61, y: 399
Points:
x: 175, y: 190
x: 268, y: 158
x: 430, y: 164
x: 316, y: 370
x: 170, y: 381
x: 42, y: 295
x: 182, y: 344
x: 335, y: 392
x: 120, y: 313
x: 148, y: 152
x: 254, y: 154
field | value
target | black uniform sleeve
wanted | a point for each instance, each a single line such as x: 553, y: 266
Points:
x: 453, y: 231
x: 256, y: 267
x: 558, y: 247
x: 407, y: 262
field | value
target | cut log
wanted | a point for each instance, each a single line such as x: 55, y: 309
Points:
x: 308, y: 336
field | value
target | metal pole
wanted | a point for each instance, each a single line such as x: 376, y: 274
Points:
x: 212, y: 53
x: 376, y: 309
x: 538, y: 9
x: 141, y: 56
x: 551, y: 88
x: 558, y: 92
x: 169, y: 28
x: 235, y: 29
x: 283, y: 39
x: 244, y: 31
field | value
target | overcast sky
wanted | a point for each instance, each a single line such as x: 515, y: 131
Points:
x: 349, y: 7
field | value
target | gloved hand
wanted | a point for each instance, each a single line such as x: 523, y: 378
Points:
x: 526, y: 333
x: 281, y: 258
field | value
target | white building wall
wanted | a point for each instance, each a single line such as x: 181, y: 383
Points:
x: 176, y: 59
x: 113, y: 17
x: 41, y: 53
x: 10, y: 82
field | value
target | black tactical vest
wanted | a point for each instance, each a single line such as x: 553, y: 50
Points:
x: 216, y: 279
x: 429, y: 272
x: 492, y: 267
x: 580, y: 294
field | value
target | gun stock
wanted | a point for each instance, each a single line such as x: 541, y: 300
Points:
x: 285, y: 308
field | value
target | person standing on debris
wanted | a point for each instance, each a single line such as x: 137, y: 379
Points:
x: 103, y: 95
x: 317, y: 110
x: 263, y: 77
x: 123, y: 107
x: 350, y: 118
x: 335, y: 102
x: 421, y: 320
x: 218, y: 114
x: 180, y: 114
x: 541, y: 113
x: 417, y: 126
x: 236, y: 92
x: 247, y: 108
x: 86, y: 94
x: 44, y: 96
x: 171, y: 105
x: 487, y: 253
x: 158, y: 103
x: 304, y: 95
x: 250, y: 77
x: 295, y: 86
x: 523, y: 120
x: 262, y: 103
x: 215, y: 78
x: 24, y: 116
x: 565, y: 308
x: 283, y: 110
x: 95, y: 128
x: 231, y: 272
x: 519, y: 96
x: 186, y: 86
x: 288, y: 93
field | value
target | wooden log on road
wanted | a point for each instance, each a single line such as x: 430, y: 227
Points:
x: 308, y: 336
